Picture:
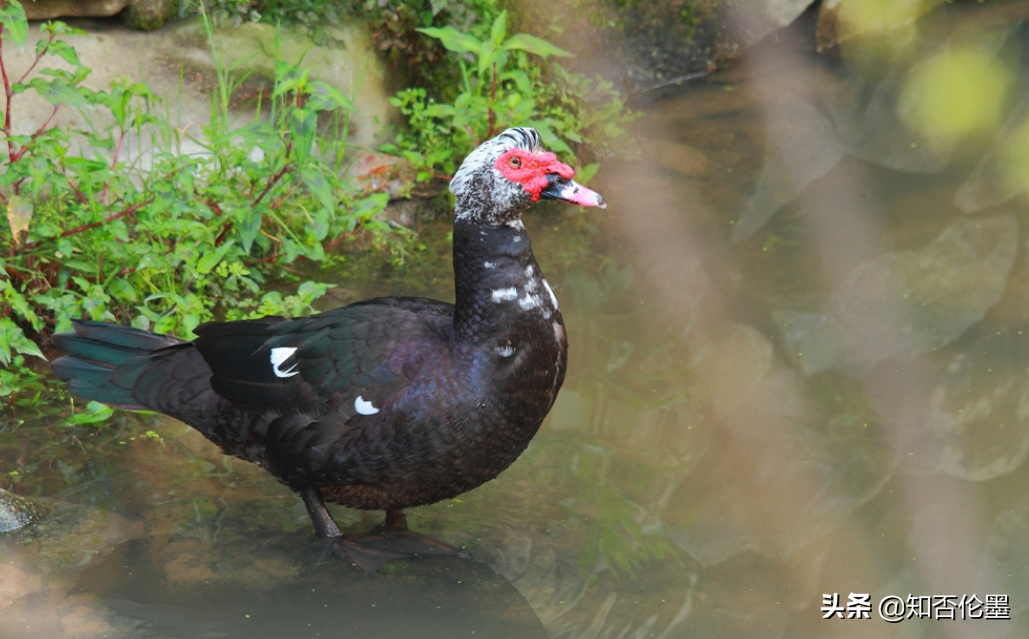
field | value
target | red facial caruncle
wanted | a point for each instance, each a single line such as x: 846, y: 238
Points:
x: 531, y: 169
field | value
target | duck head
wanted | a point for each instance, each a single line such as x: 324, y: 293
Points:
x: 506, y: 175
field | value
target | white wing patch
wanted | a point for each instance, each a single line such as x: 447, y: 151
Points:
x: 280, y: 355
x: 504, y: 294
x: 553, y: 298
x: 364, y: 407
x: 504, y: 351
x: 529, y: 302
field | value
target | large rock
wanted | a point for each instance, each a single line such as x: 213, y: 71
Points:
x: 350, y: 64
x: 652, y: 43
x: 51, y: 9
x: 157, y: 58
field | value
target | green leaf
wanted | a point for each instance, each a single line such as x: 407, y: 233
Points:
x: 521, y: 79
x: 303, y: 125
x: 325, y: 97
x: 59, y: 28
x: 16, y: 25
x: 121, y: 289
x: 19, y: 213
x: 318, y: 227
x: 586, y: 173
x: 454, y: 40
x: 289, y: 77
x: 487, y: 56
x: 95, y: 412
x: 12, y: 339
x: 532, y: 44
x: 65, y: 51
x: 208, y: 261
x: 58, y: 91
x: 249, y: 225
x: 440, y: 111
x: 20, y: 305
x: 499, y: 29
x: 315, y: 180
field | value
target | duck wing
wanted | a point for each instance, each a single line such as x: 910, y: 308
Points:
x: 350, y: 360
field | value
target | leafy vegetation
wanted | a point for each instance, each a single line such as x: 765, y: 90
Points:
x: 470, y: 79
x: 501, y: 84
x: 163, y: 237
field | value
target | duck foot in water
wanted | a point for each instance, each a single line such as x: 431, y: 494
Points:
x: 392, y: 540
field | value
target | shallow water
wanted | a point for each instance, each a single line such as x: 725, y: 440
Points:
x: 798, y: 368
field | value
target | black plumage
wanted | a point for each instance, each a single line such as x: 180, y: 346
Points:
x: 384, y: 404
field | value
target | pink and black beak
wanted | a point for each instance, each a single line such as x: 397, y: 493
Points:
x: 567, y: 190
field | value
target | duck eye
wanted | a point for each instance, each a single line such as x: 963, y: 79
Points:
x: 515, y: 162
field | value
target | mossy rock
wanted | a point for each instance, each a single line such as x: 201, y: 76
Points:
x: 147, y: 15
x: 17, y: 512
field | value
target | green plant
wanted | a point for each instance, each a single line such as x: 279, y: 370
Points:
x: 501, y: 85
x: 496, y: 92
x: 131, y: 226
x: 469, y: 79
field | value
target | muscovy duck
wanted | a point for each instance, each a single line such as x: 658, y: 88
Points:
x: 384, y: 404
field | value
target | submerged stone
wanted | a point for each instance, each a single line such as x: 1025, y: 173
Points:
x: 963, y: 412
x: 802, y: 147
x: 17, y: 512
x: 865, y: 119
x: 905, y: 303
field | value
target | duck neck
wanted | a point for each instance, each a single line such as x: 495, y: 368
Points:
x: 496, y: 278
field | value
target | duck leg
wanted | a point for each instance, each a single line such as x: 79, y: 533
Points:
x: 324, y: 524
x: 364, y: 558
x: 392, y: 541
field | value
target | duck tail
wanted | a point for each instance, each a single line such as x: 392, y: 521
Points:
x: 103, y: 361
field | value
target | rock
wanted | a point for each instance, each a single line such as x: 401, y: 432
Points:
x: 51, y: 9
x: 817, y: 342
x: 147, y: 15
x: 1007, y: 555
x: 963, y: 411
x: 905, y: 303
x: 155, y: 58
x: 753, y: 20
x: 654, y: 43
x: 997, y: 177
x: 865, y: 120
x: 351, y: 64
x: 802, y: 147
x: 382, y: 173
x: 842, y: 20
x: 17, y: 512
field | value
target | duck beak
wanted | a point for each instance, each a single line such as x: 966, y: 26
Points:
x: 559, y: 188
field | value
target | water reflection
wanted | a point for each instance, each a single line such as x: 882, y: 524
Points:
x: 797, y: 368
